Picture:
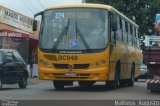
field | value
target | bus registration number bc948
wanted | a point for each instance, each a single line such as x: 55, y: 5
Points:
x: 67, y: 57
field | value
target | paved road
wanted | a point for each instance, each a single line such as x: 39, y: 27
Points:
x: 44, y: 90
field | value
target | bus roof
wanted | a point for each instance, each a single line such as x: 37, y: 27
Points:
x: 89, y: 5
x: 81, y: 5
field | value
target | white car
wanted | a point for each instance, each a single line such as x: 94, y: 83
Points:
x: 143, y: 72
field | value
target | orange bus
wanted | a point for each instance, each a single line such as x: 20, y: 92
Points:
x: 87, y: 43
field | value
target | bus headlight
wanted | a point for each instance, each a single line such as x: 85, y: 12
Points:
x: 49, y: 66
x: 97, y: 64
x: 45, y: 64
x: 103, y: 61
x: 100, y: 63
x: 40, y: 61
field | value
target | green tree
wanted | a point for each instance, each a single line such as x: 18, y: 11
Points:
x: 141, y: 11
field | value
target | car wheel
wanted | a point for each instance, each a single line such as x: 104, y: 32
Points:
x: 23, y: 83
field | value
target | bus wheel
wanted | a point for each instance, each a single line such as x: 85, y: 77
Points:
x: 130, y: 82
x: 115, y: 84
x: 136, y: 79
x: 112, y: 84
x: 58, y: 84
x: 122, y: 83
x: 85, y: 83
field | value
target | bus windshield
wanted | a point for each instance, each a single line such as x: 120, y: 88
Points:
x: 72, y: 29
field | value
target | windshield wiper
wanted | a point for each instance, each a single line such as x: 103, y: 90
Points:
x: 64, y: 30
x: 67, y: 26
x: 81, y: 36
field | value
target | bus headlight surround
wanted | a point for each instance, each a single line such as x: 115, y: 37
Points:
x: 97, y: 64
x: 100, y: 63
x: 41, y: 62
x: 103, y: 61
x: 45, y: 64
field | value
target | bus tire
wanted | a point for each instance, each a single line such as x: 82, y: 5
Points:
x: 115, y: 83
x: 130, y: 81
x: 58, y: 84
x: 136, y: 79
x: 85, y: 83
x: 112, y: 84
x: 122, y: 83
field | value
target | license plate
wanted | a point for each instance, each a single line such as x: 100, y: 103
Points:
x: 70, y: 74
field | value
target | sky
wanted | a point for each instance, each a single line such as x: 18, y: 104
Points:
x: 30, y: 7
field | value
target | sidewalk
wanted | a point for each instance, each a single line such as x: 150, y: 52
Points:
x: 35, y: 80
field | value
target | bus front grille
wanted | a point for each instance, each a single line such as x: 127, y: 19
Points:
x: 76, y: 66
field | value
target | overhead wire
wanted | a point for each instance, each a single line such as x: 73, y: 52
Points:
x: 32, y: 4
x: 18, y: 8
x: 41, y: 4
x: 36, y: 5
x: 27, y: 6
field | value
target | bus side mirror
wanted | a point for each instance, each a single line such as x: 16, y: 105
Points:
x: 34, y: 25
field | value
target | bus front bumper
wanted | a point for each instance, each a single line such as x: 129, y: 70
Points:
x: 96, y: 74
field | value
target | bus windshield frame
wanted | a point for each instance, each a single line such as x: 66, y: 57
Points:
x: 74, y: 30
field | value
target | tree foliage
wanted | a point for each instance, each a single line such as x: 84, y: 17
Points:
x: 141, y: 11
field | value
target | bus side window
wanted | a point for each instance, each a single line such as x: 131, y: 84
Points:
x: 129, y: 35
x: 131, y: 32
x: 113, y: 24
x: 137, y: 36
x: 113, y: 38
x: 124, y: 31
x: 120, y: 22
x: 119, y: 36
x: 135, y: 40
x: 138, y: 45
x: 134, y: 37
